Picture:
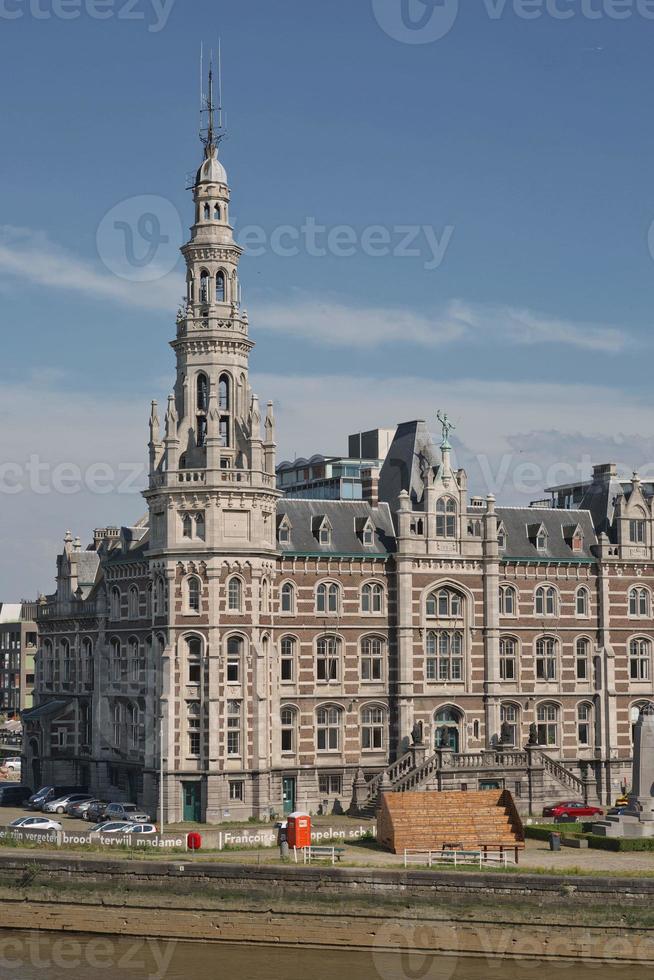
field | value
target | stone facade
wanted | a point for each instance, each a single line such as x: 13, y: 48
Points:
x: 249, y: 653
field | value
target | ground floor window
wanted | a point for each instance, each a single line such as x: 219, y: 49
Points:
x: 372, y: 728
x: 330, y: 785
x: 236, y: 790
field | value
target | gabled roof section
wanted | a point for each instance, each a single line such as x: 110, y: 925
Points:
x: 411, y: 457
x: 342, y: 516
x: 522, y: 526
x: 600, y: 498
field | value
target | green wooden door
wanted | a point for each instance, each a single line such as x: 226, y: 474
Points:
x: 192, y: 802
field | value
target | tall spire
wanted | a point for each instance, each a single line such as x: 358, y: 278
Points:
x: 211, y: 135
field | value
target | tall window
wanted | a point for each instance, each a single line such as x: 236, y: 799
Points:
x: 193, y: 722
x: 134, y: 657
x: 328, y: 729
x: 637, y: 531
x: 194, y: 660
x: 638, y: 602
x: 234, y: 727
x: 200, y: 526
x: 202, y: 393
x: 444, y: 604
x: 510, y: 720
x: 583, y: 602
x: 159, y: 596
x: 117, y: 723
x: 116, y: 660
x: 444, y: 661
x: 372, y: 598
x: 328, y: 656
x: 87, y: 662
x: 446, y: 518
x: 187, y: 526
x: 547, y: 724
x: 224, y: 393
x: 546, y: 658
x: 508, y: 658
x: 132, y: 719
x: 204, y: 286
x: 584, y: 724
x: 66, y: 661
x: 546, y: 601
x: 288, y: 726
x: 115, y: 603
x: 372, y: 728
x: 287, y: 660
x: 193, y: 594
x: 582, y: 650
x: 288, y: 597
x: 640, y: 655
x: 508, y: 603
x: 220, y: 287
x: 133, y: 602
x: 371, y: 658
x: 327, y: 598
x: 234, y: 595
x: 234, y: 659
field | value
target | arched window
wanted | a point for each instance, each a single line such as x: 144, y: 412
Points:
x: 187, y: 526
x: 117, y: 723
x: 202, y: 393
x: 508, y: 600
x: 582, y: 656
x: 190, y: 287
x: 584, y: 724
x: 445, y: 604
x: 216, y: 212
x: 639, y: 603
x: 220, y: 287
x: 234, y: 595
x: 644, y: 707
x: 194, y: 660
x: 87, y: 662
x: 446, y: 518
x: 327, y: 598
x: 204, y: 286
x: 224, y: 393
x: 200, y: 526
x: 288, y: 597
x: 508, y: 658
x: 448, y: 729
x: 159, y: 596
x: 265, y: 596
x: 546, y: 601
x: 328, y: 659
x: 546, y: 658
x: 234, y: 659
x: 328, y: 729
x: 193, y: 592
x: 133, y: 600
x: 287, y: 660
x: 372, y: 729
x: 372, y: 598
x: 134, y: 657
x: 149, y: 592
x: 510, y: 722
x: 640, y: 657
x: 547, y: 724
x: 193, y: 720
x: 372, y: 658
x: 444, y: 656
x: 582, y: 602
x: 116, y: 660
x: 65, y: 661
x: 132, y: 725
x: 114, y: 607
x: 288, y: 720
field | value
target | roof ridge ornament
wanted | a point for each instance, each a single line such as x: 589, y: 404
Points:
x: 447, y: 427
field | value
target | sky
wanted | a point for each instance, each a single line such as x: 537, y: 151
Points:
x: 443, y: 205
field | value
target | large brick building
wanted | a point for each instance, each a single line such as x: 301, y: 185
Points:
x: 247, y: 652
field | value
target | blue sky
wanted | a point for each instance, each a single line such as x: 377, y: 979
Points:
x: 523, y: 146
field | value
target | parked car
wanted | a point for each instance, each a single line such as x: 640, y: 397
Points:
x: 79, y: 809
x: 59, y: 804
x: 126, y: 811
x: 45, y: 793
x: 124, y: 827
x: 572, y: 810
x: 36, y: 823
x: 95, y: 811
x: 13, y: 794
x: 14, y: 764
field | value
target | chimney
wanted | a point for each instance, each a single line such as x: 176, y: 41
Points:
x: 605, y: 472
x: 370, y: 485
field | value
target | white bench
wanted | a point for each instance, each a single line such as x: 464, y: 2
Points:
x: 317, y: 852
x: 455, y: 857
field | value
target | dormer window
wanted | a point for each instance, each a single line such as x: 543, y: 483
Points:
x: 365, y: 531
x: 325, y: 535
x: 501, y: 537
x: 541, y: 540
x: 322, y: 530
x: 578, y: 541
x: 284, y: 531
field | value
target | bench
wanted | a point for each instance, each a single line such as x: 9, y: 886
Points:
x: 323, y: 852
x: 480, y: 856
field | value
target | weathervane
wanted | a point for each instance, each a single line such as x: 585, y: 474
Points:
x: 447, y: 427
x: 211, y: 135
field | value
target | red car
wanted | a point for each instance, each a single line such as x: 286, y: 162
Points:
x: 572, y: 810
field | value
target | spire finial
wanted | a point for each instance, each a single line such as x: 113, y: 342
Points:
x: 211, y: 135
x: 447, y: 427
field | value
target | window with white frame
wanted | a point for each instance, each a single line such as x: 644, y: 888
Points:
x: 372, y: 598
x: 193, y: 724
x: 638, y: 531
x: 444, y: 604
x: 582, y: 657
x: 327, y: 598
x: 547, y: 724
x: 546, y: 601
x: 582, y: 602
x: 194, y: 660
x: 234, y: 659
x: 288, y: 597
x: 372, y: 729
x: 546, y: 658
x: 328, y: 729
x: 287, y: 660
x: 372, y: 658
x: 446, y: 512
x: 639, y: 602
x: 236, y: 790
x: 288, y: 720
x: 193, y: 593
x: 234, y: 595
x: 640, y: 656
x: 510, y: 721
x: 508, y: 600
x: 328, y: 659
x: 444, y: 659
x: 508, y: 658
x: 584, y: 724
x: 541, y: 540
x: 234, y: 711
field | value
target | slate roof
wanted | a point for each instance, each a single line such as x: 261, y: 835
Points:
x: 599, y: 499
x: 521, y: 525
x: 345, y: 517
x: 411, y: 455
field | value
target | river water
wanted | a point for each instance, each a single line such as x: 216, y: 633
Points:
x: 48, y: 956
